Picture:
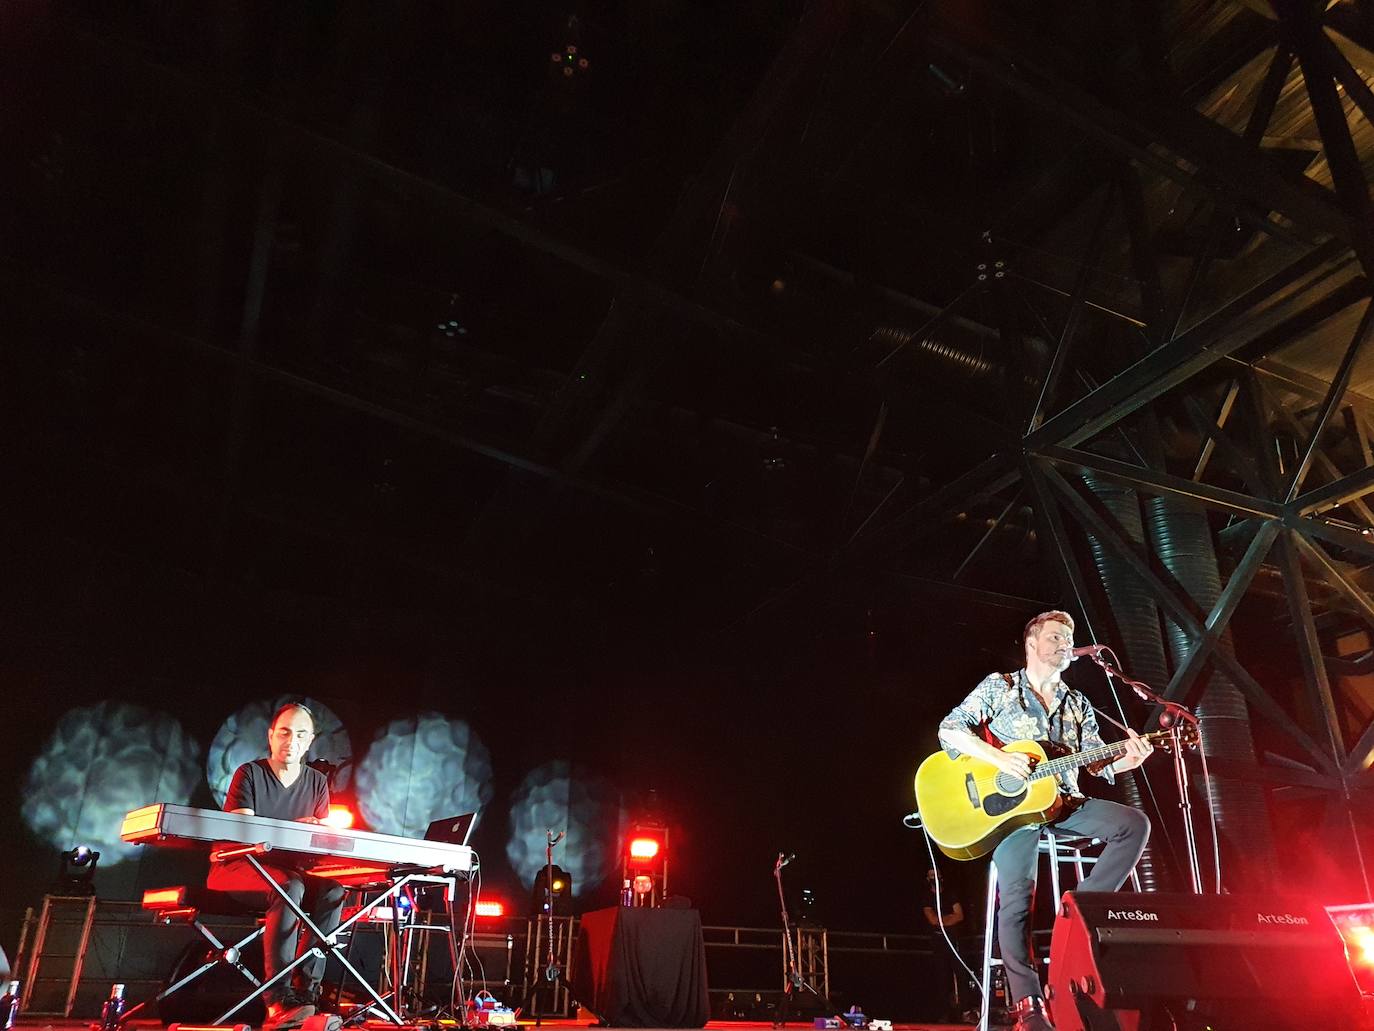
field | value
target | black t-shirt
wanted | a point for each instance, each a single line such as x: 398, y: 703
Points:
x: 256, y: 787
x: 949, y: 898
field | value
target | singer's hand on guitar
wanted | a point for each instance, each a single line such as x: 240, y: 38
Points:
x: 1137, y: 750
x: 1018, y: 764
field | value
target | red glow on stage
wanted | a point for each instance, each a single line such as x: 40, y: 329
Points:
x: 490, y: 908
x: 644, y: 848
x: 339, y: 816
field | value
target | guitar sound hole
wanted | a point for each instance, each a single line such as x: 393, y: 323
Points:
x: 1009, y: 785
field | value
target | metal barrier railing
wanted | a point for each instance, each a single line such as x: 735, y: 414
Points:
x: 59, y: 942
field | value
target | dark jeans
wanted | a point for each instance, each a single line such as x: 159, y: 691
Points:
x: 1124, y: 831
x: 320, y: 898
x: 949, y: 977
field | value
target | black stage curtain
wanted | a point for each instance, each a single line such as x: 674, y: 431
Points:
x: 642, y: 967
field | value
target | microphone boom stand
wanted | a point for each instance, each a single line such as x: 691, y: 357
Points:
x: 553, y: 970
x: 1173, y: 719
x: 795, y: 982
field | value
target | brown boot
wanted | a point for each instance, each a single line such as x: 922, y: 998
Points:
x: 1030, y: 1015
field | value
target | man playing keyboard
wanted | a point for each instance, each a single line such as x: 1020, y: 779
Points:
x: 282, y: 787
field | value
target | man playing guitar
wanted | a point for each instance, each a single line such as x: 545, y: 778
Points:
x: 1035, y: 704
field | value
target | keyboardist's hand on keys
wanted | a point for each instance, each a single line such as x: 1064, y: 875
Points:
x: 310, y: 819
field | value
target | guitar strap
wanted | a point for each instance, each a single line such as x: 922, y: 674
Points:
x: 1071, y: 802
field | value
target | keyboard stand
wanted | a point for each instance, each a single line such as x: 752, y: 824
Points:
x: 327, y: 944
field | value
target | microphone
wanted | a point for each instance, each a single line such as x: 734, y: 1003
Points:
x: 1088, y: 649
x: 784, y: 859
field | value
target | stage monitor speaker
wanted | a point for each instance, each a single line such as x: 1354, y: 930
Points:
x: 1151, y: 962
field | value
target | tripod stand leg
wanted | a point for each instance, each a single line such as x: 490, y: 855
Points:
x: 784, y: 1009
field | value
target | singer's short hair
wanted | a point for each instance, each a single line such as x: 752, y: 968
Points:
x: 1053, y: 616
x: 288, y: 707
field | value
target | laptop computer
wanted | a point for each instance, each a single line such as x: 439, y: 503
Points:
x: 453, y: 829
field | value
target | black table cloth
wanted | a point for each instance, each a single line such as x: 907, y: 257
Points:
x: 640, y: 967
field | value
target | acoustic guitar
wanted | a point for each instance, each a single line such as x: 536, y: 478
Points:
x: 968, y: 806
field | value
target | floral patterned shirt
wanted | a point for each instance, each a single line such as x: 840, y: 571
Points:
x: 1006, y: 706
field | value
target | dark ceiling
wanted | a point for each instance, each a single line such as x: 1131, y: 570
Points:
x: 357, y: 338
x: 400, y: 311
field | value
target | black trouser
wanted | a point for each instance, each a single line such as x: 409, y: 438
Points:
x: 1124, y: 831
x: 320, y: 898
x: 948, y: 978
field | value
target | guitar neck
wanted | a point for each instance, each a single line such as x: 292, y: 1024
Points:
x: 1054, y: 767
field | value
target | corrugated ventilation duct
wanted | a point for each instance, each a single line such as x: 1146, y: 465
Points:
x: 1137, y: 621
x: 1182, y: 538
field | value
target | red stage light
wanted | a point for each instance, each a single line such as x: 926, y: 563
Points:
x: 339, y: 816
x: 491, y: 909
x: 1361, y: 939
x: 1355, y: 924
x: 160, y: 898
x: 644, y: 848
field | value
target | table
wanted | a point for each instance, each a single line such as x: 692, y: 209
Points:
x: 642, y: 967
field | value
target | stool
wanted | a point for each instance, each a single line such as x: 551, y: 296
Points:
x: 186, y: 904
x: 1061, y: 849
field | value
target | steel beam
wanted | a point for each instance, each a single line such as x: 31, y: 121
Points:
x: 990, y: 476
x: 1266, y: 348
x: 273, y: 374
x: 443, y: 199
x: 1243, y: 505
x: 1220, y: 617
x: 1144, y: 255
x: 250, y: 322
x: 1333, y: 574
x: 1350, y: 540
x: 706, y: 192
x: 1335, y: 494
x: 1256, y: 695
x: 1260, y: 412
x: 1333, y: 397
x: 1180, y: 359
x: 1091, y: 254
x: 963, y: 592
x: 1327, y: 465
x: 1267, y: 99
x: 1214, y: 433
x: 1361, y: 757
x: 1361, y: 431
x: 1351, y: 80
x: 1240, y: 168
x: 1301, y: 21
x: 1309, y: 646
x: 1054, y: 535
x: 992, y: 528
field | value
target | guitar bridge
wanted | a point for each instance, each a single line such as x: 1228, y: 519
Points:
x: 972, y: 790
